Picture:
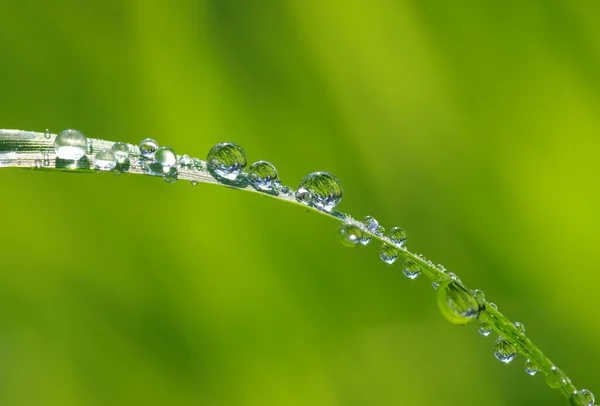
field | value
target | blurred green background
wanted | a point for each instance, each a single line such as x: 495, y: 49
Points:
x: 474, y: 126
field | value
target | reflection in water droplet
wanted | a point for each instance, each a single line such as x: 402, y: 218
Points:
x: 582, y: 397
x: 263, y: 176
x: 388, y: 254
x: 456, y: 303
x: 371, y: 225
x: 504, y: 350
x: 226, y: 161
x: 147, y: 147
x: 70, y: 145
x: 530, y: 368
x: 484, y: 329
x: 350, y: 235
x: 121, y: 151
x: 411, y: 270
x: 556, y: 378
x: 165, y: 157
x: 397, y: 235
x: 105, y: 161
x: 325, y: 189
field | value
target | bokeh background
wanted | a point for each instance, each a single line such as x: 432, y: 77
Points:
x: 473, y: 125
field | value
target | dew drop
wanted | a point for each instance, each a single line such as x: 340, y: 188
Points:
x: 582, y: 397
x: 530, y: 368
x: 71, y: 145
x: 194, y: 182
x: 484, y: 329
x: 37, y: 163
x: 411, y: 270
x: 519, y: 327
x: 263, y: 176
x: 46, y: 161
x: 397, y: 235
x: 147, y: 147
x: 350, y: 235
x: 456, y: 303
x: 504, y: 350
x: 121, y: 151
x: 170, y: 174
x: 226, y: 161
x: 435, y: 285
x: 556, y: 378
x: 325, y: 189
x: 105, y: 161
x: 165, y: 157
x: 479, y: 296
x: 371, y: 225
x: 494, y: 306
x: 303, y: 196
x: 388, y: 254
x: 185, y: 161
x: 47, y: 134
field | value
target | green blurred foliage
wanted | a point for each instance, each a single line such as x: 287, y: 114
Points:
x: 474, y: 126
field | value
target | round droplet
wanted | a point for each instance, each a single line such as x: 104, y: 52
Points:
x: 194, y: 182
x: 519, y: 327
x: 435, y: 285
x: 350, y: 235
x: 411, y: 270
x: 504, y: 350
x: 484, y: 329
x: 46, y: 161
x: 121, y: 151
x: 556, y: 378
x: 286, y: 190
x: 397, y: 235
x: 263, y: 176
x: 388, y: 254
x: 37, y: 163
x: 530, y: 368
x: 325, y: 189
x: 303, y: 196
x: 582, y: 397
x: 371, y: 225
x: 147, y: 147
x: 454, y: 277
x: 170, y: 174
x: 456, y: 303
x: 226, y: 161
x: 47, y: 133
x: 479, y: 296
x: 185, y: 161
x: 494, y: 306
x: 165, y: 157
x: 105, y: 161
x: 71, y: 145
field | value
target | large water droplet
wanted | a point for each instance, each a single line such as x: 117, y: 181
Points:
x: 411, y: 270
x: 325, y: 189
x: 504, y: 350
x: 105, y: 161
x: 71, y: 145
x: 530, y: 368
x: 165, y: 157
x: 226, y: 161
x: 388, y: 254
x: 582, y: 397
x: 556, y: 378
x: 350, y: 235
x: 397, y: 235
x: 456, y: 303
x: 484, y: 329
x: 121, y: 151
x: 147, y: 147
x: 371, y: 225
x: 263, y: 176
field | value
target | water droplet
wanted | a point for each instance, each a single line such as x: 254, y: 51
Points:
x: 479, y: 296
x: 484, y: 329
x: 388, y: 254
x: 105, y: 161
x: 520, y: 327
x: 504, y: 350
x: 226, y: 161
x: 325, y: 189
x: 170, y: 174
x: 147, y: 147
x: 47, y: 134
x: 411, y: 270
x: 454, y: 277
x: 435, y: 285
x: 456, y: 303
x: 46, y: 161
x: 397, y: 235
x: 121, y: 151
x: 493, y: 306
x: 185, y: 161
x: 37, y: 163
x: 530, y: 368
x: 286, y: 190
x: 582, y: 397
x: 90, y: 147
x: 371, y: 225
x: 350, y: 235
x: 556, y: 378
x: 194, y: 182
x: 303, y: 196
x: 71, y: 145
x: 263, y: 176
x: 165, y: 157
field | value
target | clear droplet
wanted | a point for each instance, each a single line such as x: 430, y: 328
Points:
x: 411, y: 270
x: 504, y: 350
x: 479, y: 296
x: 303, y: 196
x: 105, y: 161
x: 456, y: 303
x: 47, y: 133
x: 263, y: 176
x: 71, y: 145
x: 286, y: 190
x: 325, y: 189
x: 194, y: 182
x: 37, y: 163
x: 435, y: 285
x: 453, y: 276
x: 397, y: 235
x: 519, y: 327
x: 582, y: 397
x: 494, y: 306
x: 226, y: 161
x: 556, y: 378
x: 371, y: 225
x: 165, y: 157
x: 170, y: 174
x: 388, y: 253
x: 121, y: 151
x: 484, y: 329
x: 46, y: 161
x: 530, y: 368
x: 185, y: 161
x: 147, y: 147
x: 350, y: 235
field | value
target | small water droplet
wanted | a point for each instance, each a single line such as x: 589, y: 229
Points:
x: 397, y: 235
x: 435, y: 285
x: 519, y: 327
x: 147, y: 147
x: 47, y: 134
x: 170, y: 174
x: 371, y: 225
x: 194, y: 182
x: 185, y: 161
x: 504, y: 350
x: 37, y: 163
x: 582, y: 397
x: 165, y: 157
x: 286, y: 190
x: 456, y: 303
x: 484, y: 329
x: 493, y: 306
x: 479, y: 296
x: 325, y: 189
x: 303, y: 196
x: 411, y: 270
x: 350, y: 235
x: 198, y: 164
x: 556, y: 378
x: 105, y: 161
x: 263, y: 176
x: 226, y: 161
x: 454, y: 277
x: 388, y: 253
x: 70, y: 145
x: 121, y: 151
x: 46, y: 161
x: 90, y: 147
x: 530, y: 368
